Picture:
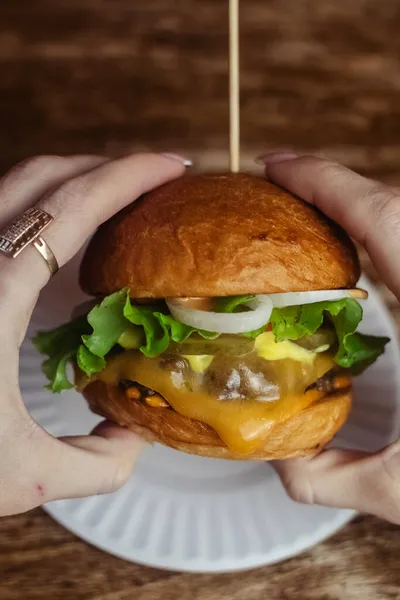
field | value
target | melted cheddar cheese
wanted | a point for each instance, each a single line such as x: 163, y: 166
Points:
x: 242, y: 424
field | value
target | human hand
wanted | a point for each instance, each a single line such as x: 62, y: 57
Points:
x: 80, y: 192
x: 370, y: 212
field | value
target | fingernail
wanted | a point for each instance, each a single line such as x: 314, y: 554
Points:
x: 276, y: 157
x: 185, y: 161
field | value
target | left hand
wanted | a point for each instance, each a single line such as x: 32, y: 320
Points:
x: 80, y: 192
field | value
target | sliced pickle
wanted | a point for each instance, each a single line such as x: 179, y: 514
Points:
x: 225, y: 345
x: 320, y: 341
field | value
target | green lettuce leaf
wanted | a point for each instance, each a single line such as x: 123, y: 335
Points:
x: 64, y: 338
x: 355, y: 350
x: 89, y: 339
x: 55, y: 369
x: 88, y: 362
x: 108, y: 323
x: 157, y: 338
x: 255, y: 333
x: 229, y: 304
x: 60, y: 345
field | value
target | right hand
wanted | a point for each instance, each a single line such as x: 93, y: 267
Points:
x: 370, y: 212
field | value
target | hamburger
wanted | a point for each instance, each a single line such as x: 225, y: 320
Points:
x: 224, y: 321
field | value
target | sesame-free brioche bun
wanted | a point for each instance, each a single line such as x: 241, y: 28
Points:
x: 218, y: 235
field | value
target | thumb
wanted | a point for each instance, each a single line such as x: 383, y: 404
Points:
x: 347, y: 479
x: 81, y: 466
x: 367, y: 209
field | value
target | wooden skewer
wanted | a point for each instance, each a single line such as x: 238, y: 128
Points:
x: 234, y: 93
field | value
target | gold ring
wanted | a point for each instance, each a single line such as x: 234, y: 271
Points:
x: 41, y: 246
x: 25, y: 230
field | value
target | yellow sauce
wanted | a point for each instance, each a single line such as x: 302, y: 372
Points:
x: 267, y: 348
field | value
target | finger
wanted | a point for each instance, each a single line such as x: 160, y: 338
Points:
x: 72, y: 467
x: 79, y: 206
x: 19, y: 190
x: 347, y: 479
x: 105, y: 460
x: 368, y: 210
x: 83, y: 203
x: 27, y: 182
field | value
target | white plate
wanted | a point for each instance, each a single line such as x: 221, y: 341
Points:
x: 195, y: 514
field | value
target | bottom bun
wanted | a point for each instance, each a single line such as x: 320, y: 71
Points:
x: 301, y: 435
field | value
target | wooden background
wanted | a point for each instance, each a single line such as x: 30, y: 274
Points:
x: 110, y: 76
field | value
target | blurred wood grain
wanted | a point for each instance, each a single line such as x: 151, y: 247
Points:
x: 111, y: 76
x: 40, y: 561
x: 115, y: 75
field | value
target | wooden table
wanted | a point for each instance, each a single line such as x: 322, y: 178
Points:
x: 117, y: 75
